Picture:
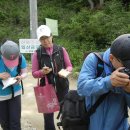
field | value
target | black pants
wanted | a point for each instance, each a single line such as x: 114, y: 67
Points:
x: 10, y: 114
x: 49, y: 118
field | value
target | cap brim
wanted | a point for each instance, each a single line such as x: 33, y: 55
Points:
x: 11, y: 63
x: 127, y: 64
x: 39, y: 37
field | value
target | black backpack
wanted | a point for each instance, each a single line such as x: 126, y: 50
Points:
x: 73, y: 114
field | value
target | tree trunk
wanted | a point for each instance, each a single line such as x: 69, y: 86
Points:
x: 91, y: 4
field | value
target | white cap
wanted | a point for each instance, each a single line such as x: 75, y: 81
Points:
x: 43, y: 30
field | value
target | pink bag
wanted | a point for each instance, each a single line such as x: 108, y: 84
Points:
x: 46, y: 98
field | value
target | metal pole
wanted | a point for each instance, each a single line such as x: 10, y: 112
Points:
x: 33, y: 18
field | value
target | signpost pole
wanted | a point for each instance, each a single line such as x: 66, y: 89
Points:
x: 33, y: 18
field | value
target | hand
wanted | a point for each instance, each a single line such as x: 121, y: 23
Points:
x: 64, y: 73
x: 127, y: 87
x: 119, y: 79
x: 46, y: 70
x: 4, y: 75
x: 18, y: 78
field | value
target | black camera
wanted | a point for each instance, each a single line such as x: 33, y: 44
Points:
x: 126, y: 71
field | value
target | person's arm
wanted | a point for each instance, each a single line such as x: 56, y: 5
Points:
x: 88, y: 84
x: 67, y: 60
x: 36, y: 72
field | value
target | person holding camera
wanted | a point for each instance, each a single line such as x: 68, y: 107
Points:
x: 112, y: 113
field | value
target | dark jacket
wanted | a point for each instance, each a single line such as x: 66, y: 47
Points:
x: 54, y: 61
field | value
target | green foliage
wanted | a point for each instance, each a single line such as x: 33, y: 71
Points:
x: 80, y: 29
x: 14, y: 20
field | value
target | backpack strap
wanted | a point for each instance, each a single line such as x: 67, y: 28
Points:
x: 19, y: 65
x: 19, y: 70
x: 62, y: 56
x: 39, y: 54
x: 60, y: 111
x: 100, y: 69
x: 100, y: 63
x: 97, y: 103
x: 100, y: 57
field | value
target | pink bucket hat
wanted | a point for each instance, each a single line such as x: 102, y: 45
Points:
x: 10, y: 53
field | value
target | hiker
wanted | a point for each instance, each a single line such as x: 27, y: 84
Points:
x: 10, y: 96
x: 48, y: 60
x: 111, y: 114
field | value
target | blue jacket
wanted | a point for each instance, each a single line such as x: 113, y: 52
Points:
x: 110, y: 115
x: 6, y: 93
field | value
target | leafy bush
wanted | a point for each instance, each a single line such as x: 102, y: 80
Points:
x: 80, y: 29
